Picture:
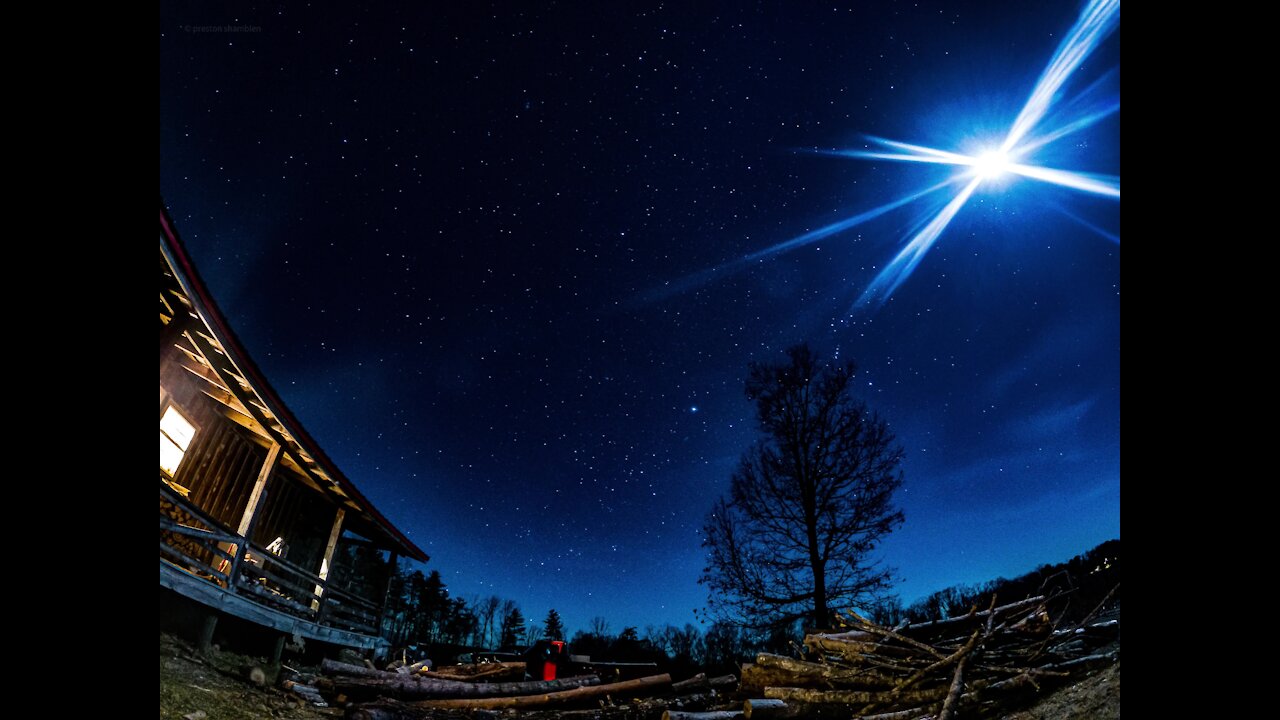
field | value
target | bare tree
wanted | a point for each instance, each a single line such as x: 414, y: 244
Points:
x: 486, y: 611
x: 532, y: 634
x: 808, y: 504
x: 599, y: 627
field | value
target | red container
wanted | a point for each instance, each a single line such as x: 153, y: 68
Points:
x: 549, y: 667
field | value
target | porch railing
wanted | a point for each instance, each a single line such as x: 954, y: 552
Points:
x: 193, y: 541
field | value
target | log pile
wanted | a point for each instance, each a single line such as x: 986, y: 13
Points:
x: 976, y: 665
x: 370, y: 694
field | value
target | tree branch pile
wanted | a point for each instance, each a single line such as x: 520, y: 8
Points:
x: 972, y: 665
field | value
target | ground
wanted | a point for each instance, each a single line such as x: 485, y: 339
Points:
x: 1096, y: 697
x: 218, y: 686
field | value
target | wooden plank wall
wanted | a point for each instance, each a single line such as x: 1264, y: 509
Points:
x: 298, y: 514
x: 222, y: 463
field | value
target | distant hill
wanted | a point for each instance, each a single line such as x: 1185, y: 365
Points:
x: 1089, y: 576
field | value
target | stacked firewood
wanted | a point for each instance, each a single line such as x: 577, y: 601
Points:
x: 975, y: 664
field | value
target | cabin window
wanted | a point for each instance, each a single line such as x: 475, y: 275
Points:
x: 175, y: 437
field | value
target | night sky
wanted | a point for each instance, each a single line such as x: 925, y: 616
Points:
x: 472, y: 247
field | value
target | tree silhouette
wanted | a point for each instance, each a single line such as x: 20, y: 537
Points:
x: 808, y: 504
x: 553, y: 627
x: 512, y: 626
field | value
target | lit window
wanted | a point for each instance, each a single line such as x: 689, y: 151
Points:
x: 175, y: 437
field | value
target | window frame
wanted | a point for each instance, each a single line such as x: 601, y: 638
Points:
x: 195, y: 430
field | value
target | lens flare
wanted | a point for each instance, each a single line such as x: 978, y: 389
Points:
x: 1008, y: 159
x: 991, y: 164
x: 1095, y: 24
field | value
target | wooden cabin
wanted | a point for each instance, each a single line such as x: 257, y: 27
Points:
x: 255, y: 520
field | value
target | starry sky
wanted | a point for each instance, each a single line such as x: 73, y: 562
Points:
x: 486, y: 253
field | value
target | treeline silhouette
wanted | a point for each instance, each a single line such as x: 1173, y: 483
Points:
x: 422, y: 620
x: 1086, y: 579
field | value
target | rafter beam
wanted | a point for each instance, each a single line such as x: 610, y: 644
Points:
x: 256, y: 411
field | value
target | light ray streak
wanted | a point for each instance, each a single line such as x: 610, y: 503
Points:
x: 842, y: 225
x: 920, y: 149
x: 704, y: 276
x: 901, y: 267
x: 1097, y: 21
x: 1097, y: 184
x: 1108, y: 235
x: 869, y: 155
x: 1069, y: 128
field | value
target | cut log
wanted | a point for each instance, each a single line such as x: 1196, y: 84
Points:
x: 957, y: 687
x: 1086, y: 661
x: 458, y: 673
x: 387, y: 710
x: 722, y: 681
x: 911, y: 714
x: 702, y: 682
x: 955, y: 626
x: 697, y: 682
x: 629, y: 688
x: 409, y: 687
x: 756, y: 678
x: 816, y: 674
x: 487, y: 672
x: 854, y: 697
x: 762, y: 708
x: 961, y: 625
x: 707, y: 715
x: 849, y: 647
x: 335, y: 668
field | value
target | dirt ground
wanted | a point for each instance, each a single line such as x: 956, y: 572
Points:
x: 1096, y: 697
x: 218, y: 686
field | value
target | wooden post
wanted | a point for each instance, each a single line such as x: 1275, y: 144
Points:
x: 259, y: 491
x: 334, y: 534
x: 250, y: 517
x: 278, y: 651
x: 206, y: 633
x: 392, y: 568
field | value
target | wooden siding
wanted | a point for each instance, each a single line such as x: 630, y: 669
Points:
x: 222, y: 463
x: 298, y: 514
